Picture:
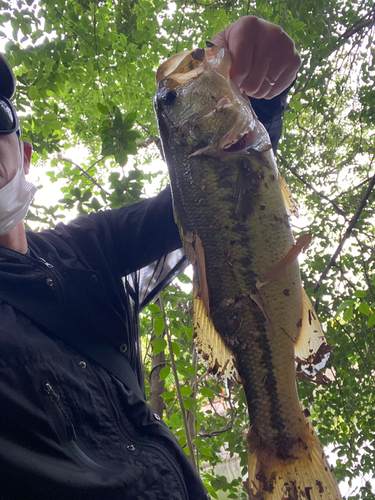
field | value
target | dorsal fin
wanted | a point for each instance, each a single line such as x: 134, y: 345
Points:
x: 311, y: 349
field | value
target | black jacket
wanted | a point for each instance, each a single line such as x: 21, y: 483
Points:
x: 68, y: 428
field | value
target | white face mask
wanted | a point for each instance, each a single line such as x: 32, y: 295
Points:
x: 15, y: 199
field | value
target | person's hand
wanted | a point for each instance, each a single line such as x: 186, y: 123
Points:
x: 262, y: 53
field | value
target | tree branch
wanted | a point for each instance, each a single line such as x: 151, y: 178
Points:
x: 152, y: 138
x: 147, y: 142
x: 158, y: 361
x: 365, y: 21
x: 228, y: 426
x: 60, y: 158
x: 359, y: 351
x: 177, y: 383
x: 310, y: 186
x: 347, y: 233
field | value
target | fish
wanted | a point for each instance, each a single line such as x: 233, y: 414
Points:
x: 252, y: 316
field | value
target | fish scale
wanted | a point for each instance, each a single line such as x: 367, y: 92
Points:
x: 231, y: 212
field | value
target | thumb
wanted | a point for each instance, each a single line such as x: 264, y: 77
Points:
x: 220, y: 39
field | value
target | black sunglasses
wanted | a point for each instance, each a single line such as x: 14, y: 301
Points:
x: 9, y: 122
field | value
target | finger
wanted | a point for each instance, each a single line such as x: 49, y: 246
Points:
x: 268, y: 91
x: 220, y: 40
x: 274, y: 85
x: 271, y: 59
x: 266, y: 80
x: 259, y: 49
x: 282, y: 74
x: 240, y: 38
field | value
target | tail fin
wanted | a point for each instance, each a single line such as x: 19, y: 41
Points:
x: 306, y: 476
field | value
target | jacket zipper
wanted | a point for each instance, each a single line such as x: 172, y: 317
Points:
x: 55, y: 398
x: 71, y: 433
x: 43, y: 261
x: 52, y: 273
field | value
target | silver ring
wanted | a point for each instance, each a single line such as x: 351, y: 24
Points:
x: 269, y: 81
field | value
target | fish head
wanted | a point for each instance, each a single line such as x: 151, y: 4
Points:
x: 198, y: 105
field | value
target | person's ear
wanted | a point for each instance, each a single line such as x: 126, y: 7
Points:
x: 27, y: 152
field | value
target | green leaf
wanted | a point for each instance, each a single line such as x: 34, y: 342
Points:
x: 189, y: 403
x: 49, y: 117
x: 129, y: 120
x: 154, y: 308
x: 86, y: 23
x: 189, y: 333
x: 159, y: 326
x: 164, y: 372
x: 188, y: 371
x: 183, y: 278
x: 182, y: 441
x: 33, y: 93
x: 159, y: 345
x: 176, y: 349
x: 129, y: 135
x: 95, y: 204
x: 86, y: 195
x: 345, y: 304
x: 168, y: 395
x: 371, y: 321
x: 186, y: 391
x: 102, y: 108
x: 207, y: 392
x: 364, y: 308
x: 206, y: 452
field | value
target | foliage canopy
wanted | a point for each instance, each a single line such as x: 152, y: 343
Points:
x: 85, y: 74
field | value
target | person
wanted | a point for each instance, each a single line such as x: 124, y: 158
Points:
x: 71, y: 426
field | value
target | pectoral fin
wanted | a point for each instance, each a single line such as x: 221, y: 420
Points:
x: 278, y: 269
x: 181, y: 67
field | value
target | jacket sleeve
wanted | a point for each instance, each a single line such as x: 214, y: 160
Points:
x: 270, y: 113
x: 130, y: 237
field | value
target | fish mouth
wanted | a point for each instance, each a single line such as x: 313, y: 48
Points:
x: 240, y: 145
x: 247, y: 132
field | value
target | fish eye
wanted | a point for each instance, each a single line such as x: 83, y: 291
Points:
x: 169, y: 97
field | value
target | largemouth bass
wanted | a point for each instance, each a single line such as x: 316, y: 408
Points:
x: 232, y: 209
